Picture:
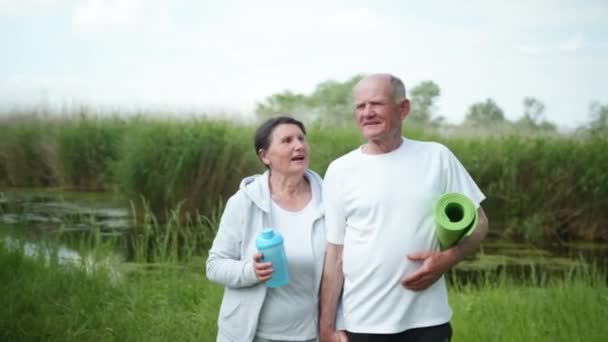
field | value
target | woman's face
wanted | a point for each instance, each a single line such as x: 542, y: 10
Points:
x: 288, y: 152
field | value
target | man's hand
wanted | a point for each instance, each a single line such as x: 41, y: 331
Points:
x: 336, y: 336
x: 434, y: 265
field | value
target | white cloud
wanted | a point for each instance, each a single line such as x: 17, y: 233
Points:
x: 50, y: 91
x: 106, y: 15
x: 352, y: 21
x: 21, y: 8
x: 530, y: 50
x: 571, y: 44
x: 237, y: 53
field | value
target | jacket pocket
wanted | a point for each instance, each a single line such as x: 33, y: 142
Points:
x: 239, y: 312
x: 229, y: 309
x: 228, y: 324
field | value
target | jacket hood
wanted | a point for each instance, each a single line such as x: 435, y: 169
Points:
x: 257, y: 189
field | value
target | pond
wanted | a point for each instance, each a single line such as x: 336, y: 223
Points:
x: 33, y: 216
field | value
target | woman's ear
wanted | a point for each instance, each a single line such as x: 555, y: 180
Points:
x: 262, y: 156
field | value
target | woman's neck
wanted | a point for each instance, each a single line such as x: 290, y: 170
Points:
x: 286, y: 185
x: 289, y: 192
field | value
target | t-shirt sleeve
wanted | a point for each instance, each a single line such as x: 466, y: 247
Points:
x: 457, y: 179
x: 333, y: 203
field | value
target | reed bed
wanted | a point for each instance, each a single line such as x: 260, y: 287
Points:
x: 544, y: 186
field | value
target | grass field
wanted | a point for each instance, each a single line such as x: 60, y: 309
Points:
x: 50, y: 301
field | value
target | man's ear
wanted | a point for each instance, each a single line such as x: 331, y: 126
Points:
x: 404, y: 108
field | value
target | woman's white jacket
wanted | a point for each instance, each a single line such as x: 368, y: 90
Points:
x: 230, y: 260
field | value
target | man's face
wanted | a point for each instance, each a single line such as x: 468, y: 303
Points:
x: 377, y: 113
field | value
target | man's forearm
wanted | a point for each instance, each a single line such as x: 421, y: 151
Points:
x: 331, y: 287
x: 469, y: 245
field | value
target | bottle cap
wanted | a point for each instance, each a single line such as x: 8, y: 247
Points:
x: 268, y: 233
x: 269, y: 238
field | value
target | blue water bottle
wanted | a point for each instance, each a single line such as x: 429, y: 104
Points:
x: 270, y: 244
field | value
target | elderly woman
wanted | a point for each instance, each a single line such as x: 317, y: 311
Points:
x: 287, y: 197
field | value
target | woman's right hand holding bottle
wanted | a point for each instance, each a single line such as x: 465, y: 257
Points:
x: 263, y: 270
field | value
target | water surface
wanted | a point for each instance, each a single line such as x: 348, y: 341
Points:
x: 35, y: 216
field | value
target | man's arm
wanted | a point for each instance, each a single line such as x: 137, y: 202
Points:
x: 331, y: 289
x: 435, y: 263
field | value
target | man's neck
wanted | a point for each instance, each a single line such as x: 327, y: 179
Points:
x: 381, y: 146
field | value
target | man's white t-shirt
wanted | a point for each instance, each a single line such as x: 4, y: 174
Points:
x: 380, y: 207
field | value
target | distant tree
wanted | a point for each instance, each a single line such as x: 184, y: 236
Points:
x: 533, y: 110
x: 285, y: 102
x: 599, y: 118
x: 423, y: 97
x: 533, y: 117
x: 329, y: 104
x: 332, y: 102
x: 485, y: 114
x: 547, y: 126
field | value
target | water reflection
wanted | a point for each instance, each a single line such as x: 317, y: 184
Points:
x: 64, y: 255
x: 40, y: 212
x: 69, y: 211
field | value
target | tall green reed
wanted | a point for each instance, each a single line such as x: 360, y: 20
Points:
x: 178, y: 238
x: 184, y: 164
x: 88, y: 147
x: 540, y: 187
x: 28, y: 154
x: 537, y: 186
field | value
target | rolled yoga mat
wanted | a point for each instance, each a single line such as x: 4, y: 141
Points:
x: 455, y: 218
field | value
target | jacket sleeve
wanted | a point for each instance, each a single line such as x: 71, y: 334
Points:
x: 225, y: 264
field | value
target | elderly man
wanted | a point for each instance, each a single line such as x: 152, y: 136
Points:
x: 382, y: 254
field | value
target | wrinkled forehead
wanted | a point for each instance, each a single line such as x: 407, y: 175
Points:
x: 375, y: 82
x: 286, y: 129
x: 373, y: 88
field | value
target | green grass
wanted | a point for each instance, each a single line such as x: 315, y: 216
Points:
x: 66, y: 303
x: 567, y: 309
x: 174, y: 302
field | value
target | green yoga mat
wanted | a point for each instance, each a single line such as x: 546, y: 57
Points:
x: 455, y: 218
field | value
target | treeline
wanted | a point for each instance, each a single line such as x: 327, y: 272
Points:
x: 538, y: 186
x: 330, y: 104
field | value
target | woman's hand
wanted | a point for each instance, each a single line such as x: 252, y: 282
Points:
x: 263, y: 270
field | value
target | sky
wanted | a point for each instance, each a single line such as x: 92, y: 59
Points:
x: 226, y: 56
